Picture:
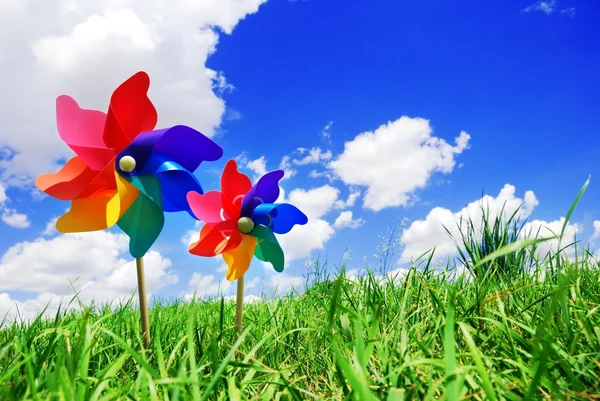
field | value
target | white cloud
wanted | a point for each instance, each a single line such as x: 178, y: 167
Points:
x: 547, y: 7
x: 10, y: 216
x: 315, y: 203
x: 15, y: 219
x: 352, y: 198
x: 259, y: 166
x: 596, y: 229
x: 96, y: 263
x: 283, y: 283
x: 423, y: 235
x: 570, y: 11
x: 315, y: 155
x: 395, y: 160
x: 551, y: 229
x: 326, y: 133
x: 346, y: 220
x: 50, y: 227
x: 205, y: 286
x: 86, y: 49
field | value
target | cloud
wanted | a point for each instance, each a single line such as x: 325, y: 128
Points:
x: 596, y: 229
x: 345, y: 220
x: 233, y: 115
x: 10, y: 216
x: 86, y: 49
x: 315, y: 155
x: 423, y: 235
x: 569, y: 12
x: 97, y: 263
x: 551, y: 229
x: 326, y: 133
x: 283, y: 283
x: 547, y: 7
x: 206, y: 286
x: 395, y: 160
x: 259, y: 166
x: 315, y: 203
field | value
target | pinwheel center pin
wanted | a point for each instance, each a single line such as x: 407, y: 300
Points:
x: 127, y: 164
x: 245, y: 225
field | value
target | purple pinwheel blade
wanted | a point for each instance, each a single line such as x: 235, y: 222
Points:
x: 140, y: 149
x: 279, y: 217
x: 266, y: 190
x: 187, y: 147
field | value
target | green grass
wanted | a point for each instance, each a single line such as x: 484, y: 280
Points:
x: 517, y: 327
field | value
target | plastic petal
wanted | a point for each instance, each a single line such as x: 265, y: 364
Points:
x: 216, y: 239
x: 130, y: 112
x: 234, y: 185
x: 187, y: 147
x: 238, y: 259
x: 266, y: 190
x: 82, y: 130
x: 99, y: 212
x: 206, y: 207
x: 70, y: 181
x: 175, y: 182
x: 144, y: 220
x: 268, y: 248
x: 279, y: 217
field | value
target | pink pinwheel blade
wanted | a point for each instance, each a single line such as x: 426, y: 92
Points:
x: 82, y: 130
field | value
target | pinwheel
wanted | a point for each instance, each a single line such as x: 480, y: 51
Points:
x: 240, y: 222
x: 125, y: 172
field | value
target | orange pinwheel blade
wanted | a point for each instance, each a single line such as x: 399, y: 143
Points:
x: 69, y: 182
x: 238, y: 259
x: 99, y: 212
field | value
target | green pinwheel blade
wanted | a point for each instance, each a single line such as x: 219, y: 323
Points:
x: 267, y: 247
x: 144, y: 220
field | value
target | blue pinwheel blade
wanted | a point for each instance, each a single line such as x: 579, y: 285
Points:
x: 175, y: 182
x: 279, y: 217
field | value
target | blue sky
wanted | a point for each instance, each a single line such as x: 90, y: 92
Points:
x: 519, y: 78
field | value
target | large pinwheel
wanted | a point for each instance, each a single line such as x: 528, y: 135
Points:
x: 124, y: 171
x: 241, y: 221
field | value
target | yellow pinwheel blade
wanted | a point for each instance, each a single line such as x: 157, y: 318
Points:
x: 100, y: 212
x: 238, y: 259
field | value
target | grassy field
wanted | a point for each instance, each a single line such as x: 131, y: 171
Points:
x: 515, y: 326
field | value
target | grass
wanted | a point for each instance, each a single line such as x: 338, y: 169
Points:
x: 514, y: 327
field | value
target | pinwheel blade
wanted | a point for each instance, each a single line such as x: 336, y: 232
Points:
x: 234, y: 185
x: 98, y: 212
x: 238, y: 259
x: 82, y: 130
x: 279, y: 217
x: 144, y: 220
x: 266, y: 190
x: 267, y: 248
x: 130, y: 112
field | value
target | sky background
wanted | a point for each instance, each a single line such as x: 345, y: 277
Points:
x: 377, y: 112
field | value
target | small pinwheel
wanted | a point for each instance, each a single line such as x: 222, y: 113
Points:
x: 124, y: 171
x: 241, y: 219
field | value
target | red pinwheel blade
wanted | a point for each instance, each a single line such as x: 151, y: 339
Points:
x: 130, y: 112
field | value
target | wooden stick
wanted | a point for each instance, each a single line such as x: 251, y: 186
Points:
x: 239, y: 304
x: 139, y: 263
